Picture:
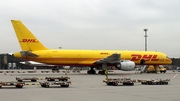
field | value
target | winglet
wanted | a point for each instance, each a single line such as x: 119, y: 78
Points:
x: 27, y: 40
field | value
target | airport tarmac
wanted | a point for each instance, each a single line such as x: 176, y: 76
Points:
x: 92, y: 88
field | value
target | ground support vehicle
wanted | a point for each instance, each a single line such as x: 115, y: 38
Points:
x: 63, y: 81
x: 151, y: 69
x: 31, y: 71
x: 45, y: 71
x: 9, y: 71
x: 62, y: 78
x: 49, y: 83
x: 55, y: 70
x: 162, y: 70
x: 155, y: 82
x: 119, y: 81
x: 176, y: 70
x: 16, y: 84
x: 32, y: 79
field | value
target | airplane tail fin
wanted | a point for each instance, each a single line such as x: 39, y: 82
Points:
x: 27, y: 40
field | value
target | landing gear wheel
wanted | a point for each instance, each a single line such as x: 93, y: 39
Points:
x: 65, y: 85
x: 91, y: 72
x: 20, y: 80
x: 33, y: 80
x: 18, y: 86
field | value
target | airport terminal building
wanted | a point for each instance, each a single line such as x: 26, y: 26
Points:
x: 8, y: 61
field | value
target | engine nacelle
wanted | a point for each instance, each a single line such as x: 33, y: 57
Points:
x: 126, y: 65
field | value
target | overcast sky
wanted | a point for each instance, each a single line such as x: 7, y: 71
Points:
x: 94, y: 24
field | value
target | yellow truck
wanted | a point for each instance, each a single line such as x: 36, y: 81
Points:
x: 160, y: 69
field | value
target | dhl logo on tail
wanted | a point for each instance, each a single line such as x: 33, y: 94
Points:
x: 29, y: 40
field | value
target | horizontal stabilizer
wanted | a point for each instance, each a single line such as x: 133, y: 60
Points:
x: 28, y: 54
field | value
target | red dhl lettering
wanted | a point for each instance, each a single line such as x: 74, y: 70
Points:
x: 154, y: 58
x: 29, y: 40
x: 146, y: 57
x: 104, y: 53
x: 136, y: 57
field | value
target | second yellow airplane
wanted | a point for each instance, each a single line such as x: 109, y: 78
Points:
x: 33, y: 50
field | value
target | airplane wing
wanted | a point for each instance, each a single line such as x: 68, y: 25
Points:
x: 112, y: 59
x: 28, y: 53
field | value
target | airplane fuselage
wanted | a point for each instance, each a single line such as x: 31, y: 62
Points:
x: 89, y: 57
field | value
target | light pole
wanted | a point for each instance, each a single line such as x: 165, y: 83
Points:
x: 145, y: 36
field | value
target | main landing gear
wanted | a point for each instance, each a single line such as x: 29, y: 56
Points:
x: 93, y: 71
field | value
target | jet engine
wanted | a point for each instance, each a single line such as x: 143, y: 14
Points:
x: 126, y: 65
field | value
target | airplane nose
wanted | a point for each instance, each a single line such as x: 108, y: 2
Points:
x: 170, y: 61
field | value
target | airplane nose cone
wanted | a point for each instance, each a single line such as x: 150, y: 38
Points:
x: 170, y: 61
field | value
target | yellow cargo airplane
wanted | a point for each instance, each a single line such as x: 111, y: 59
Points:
x: 33, y: 50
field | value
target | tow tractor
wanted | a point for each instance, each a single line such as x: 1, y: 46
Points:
x: 21, y: 79
x: 62, y: 81
x: 118, y: 81
x: 62, y: 78
x: 16, y: 84
x: 155, y: 82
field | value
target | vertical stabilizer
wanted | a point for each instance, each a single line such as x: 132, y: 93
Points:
x: 27, y: 40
